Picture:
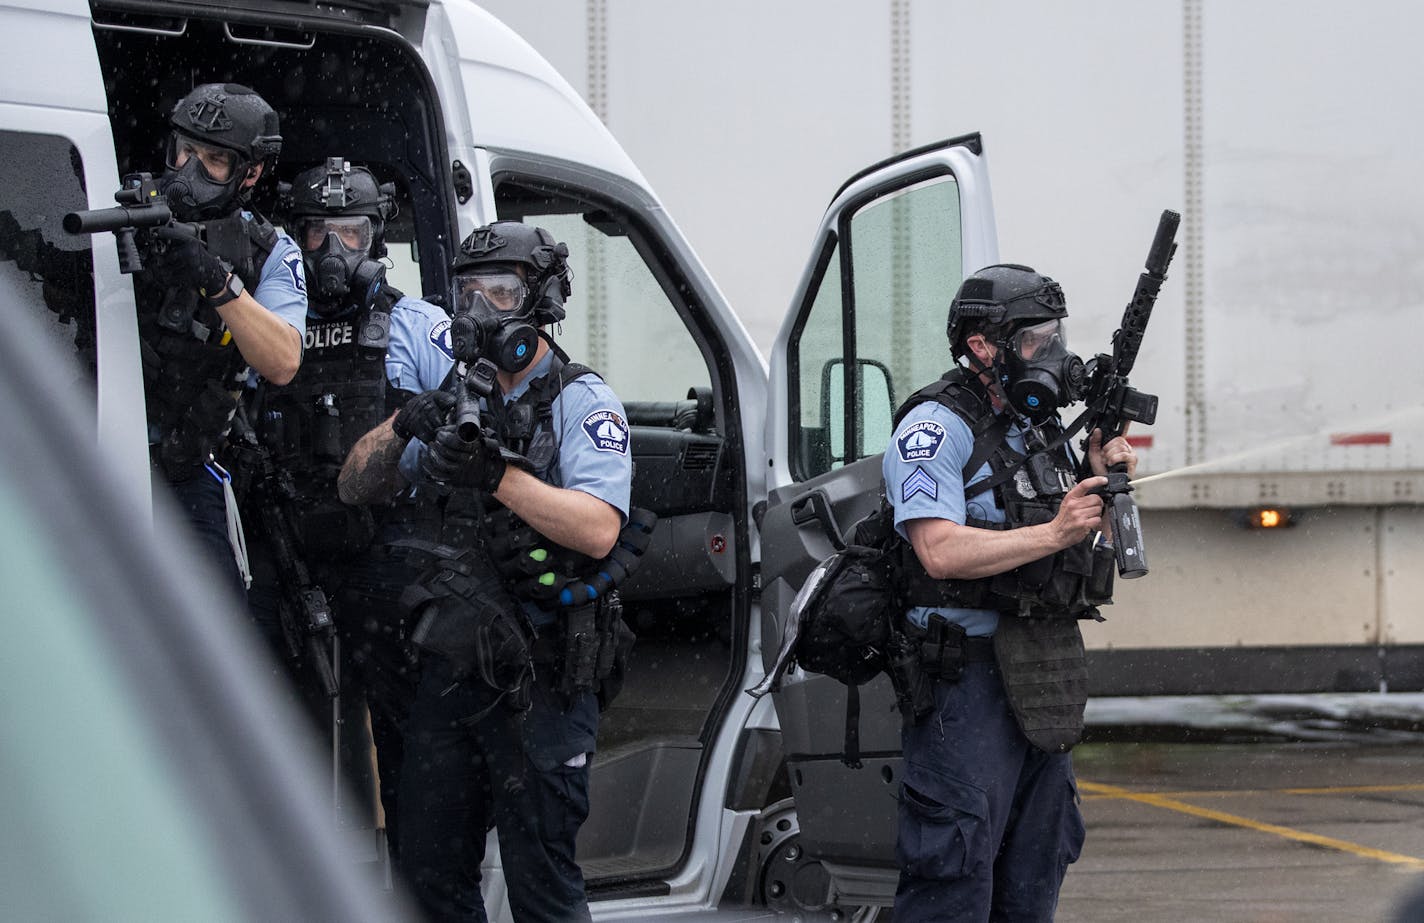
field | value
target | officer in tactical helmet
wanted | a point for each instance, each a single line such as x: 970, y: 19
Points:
x: 1006, y: 547
x: 222, y: 291
x: 318, y: 564
x: 500, y: 733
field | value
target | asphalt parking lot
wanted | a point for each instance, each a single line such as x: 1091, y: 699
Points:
x: 1268, y: 810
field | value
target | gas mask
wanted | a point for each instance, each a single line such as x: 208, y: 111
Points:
x: 1037, y: 372
x: 192, y: 192
x: 484, y: 327
x: 339, y: 269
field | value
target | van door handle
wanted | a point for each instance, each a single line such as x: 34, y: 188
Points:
x: 815, y: 506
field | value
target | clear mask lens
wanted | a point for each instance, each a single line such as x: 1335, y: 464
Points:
x: 505, y: 290
x: 354, y: 232
x: 216, y: 163
x: 1043, y: 339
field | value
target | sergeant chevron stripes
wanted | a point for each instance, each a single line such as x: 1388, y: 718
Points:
x: 919, y: 482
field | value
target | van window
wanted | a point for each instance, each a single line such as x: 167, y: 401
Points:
x: 883, y: 325
x: 907, y: 266
x: 621, y: 322
x: 44, y: 270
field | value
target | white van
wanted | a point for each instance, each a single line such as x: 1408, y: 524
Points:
x: 752, y: 472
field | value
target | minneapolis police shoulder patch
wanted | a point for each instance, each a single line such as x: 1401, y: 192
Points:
x: 920, y: 441
x: 440, y: 338
x: 607, y: 431
x: 293, y: 263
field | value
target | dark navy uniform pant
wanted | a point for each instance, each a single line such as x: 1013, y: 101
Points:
x: 988, y: 823
x: 505, y: 771
x: 200, y: 500
x: 377, y: 663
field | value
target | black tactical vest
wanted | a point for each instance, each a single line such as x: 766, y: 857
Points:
x: 197, y: 366
x: 526, y: 426
x: 1029, y: 491
x: 339, y: 394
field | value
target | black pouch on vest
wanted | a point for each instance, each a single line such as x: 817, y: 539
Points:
x: 1034, y: 576
x: 580, y: 650
x: 619, y: 644
x: 942, y: 649
x: 331, y: 531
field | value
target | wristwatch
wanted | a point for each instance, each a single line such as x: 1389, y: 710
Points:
x: 228, y: 292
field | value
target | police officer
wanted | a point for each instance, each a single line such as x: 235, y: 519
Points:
x: 369, y: 349
x: 553, y: 464
x: 1006, y: 550
x: 208, y: 311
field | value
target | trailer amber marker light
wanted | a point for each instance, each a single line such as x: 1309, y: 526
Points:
x: 1268, y: 518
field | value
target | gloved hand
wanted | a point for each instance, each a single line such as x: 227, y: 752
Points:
x: 423, y: 414
x: 181, y: 261
x: 456, y: 463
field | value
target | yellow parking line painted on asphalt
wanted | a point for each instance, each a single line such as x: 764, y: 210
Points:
x: 1221, y: 817
x: 1233, y: 792
x: 1354, y: 790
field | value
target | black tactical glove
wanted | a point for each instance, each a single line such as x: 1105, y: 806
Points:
x: 457, y: 463
x: 181, y: 261
x: 423, y: 414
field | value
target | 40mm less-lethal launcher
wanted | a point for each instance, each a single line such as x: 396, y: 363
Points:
x: 1112, y: 403
x: 141, y: 210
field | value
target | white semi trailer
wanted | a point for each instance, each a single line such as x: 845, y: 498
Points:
x: 1283, y: 345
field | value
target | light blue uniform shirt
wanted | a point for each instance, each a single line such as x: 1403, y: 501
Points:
x: 923, y: 471
x: 282, y: 285
x: 419, y: 355
x: 593, y: 438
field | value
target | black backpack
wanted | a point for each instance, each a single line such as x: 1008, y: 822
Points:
x: 844, y: 623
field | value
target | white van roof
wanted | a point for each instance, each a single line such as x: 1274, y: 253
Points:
x: 518, y: 102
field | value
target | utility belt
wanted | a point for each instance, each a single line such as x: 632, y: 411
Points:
x: 462, y: 612
x: 585, y: 649
x: 469, y: 606
x: 1041, y: 664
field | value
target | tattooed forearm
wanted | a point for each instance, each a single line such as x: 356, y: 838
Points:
x: 371, y: 473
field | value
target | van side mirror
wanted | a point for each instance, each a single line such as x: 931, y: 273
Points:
x: 873, y: 393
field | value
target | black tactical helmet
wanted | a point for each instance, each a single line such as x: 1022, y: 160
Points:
x: 337, y: 213
x: 1005, y: 296
x: 229, y: 115
x: 226, y: 119
x: 339, y: 189
x: 545, y: 261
